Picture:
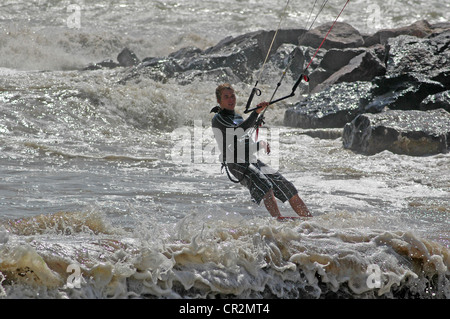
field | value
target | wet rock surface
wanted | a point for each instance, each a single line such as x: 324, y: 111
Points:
x: 403, y: 132
x: 331, y: 108
x: 436, y: 101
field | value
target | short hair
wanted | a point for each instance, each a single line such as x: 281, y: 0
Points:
x: 220, y: 88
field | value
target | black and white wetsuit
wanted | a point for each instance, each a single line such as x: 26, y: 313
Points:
x: 238, y: 153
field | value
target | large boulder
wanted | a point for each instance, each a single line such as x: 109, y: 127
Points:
x: 415, y: 68
x: 332, y: 61
x: 343, y: 35
x: 418, y: 29
x: 428, y: 57
x: 127, y: 58
x: 330, y: 108
x: 363, y: 67
x: 436, y: 101
x: 237, y: 57
x: 412, y: 132
x: 401, y: 92
x: 243, y: 54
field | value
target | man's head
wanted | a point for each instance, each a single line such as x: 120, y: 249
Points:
x: 226, y: 97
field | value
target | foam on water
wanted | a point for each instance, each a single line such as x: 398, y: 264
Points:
x: 212, y: 255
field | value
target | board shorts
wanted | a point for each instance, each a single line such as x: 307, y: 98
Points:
x: 260, y: 178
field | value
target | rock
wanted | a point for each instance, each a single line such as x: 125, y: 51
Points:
x: 343, y: 35
x: 236, y: 57
x: 246, y: 53
x: 331, y: 108
x: 317, y: 77
x: 418, y: 29
x: 412, y: 132
x: 363, y: 67
x: 288, y: 55
x: 309, y: 54
x: 159, y: 69
x: 440, y: 27
x: 106, y: 64
x: 436, y: 101
x: 332, y: 61
x: 401, y: 92
x: 127, y: 58
x: 415, y: 69
x: 335, y: 59
x: 186, y: 52
x: 429, y: 57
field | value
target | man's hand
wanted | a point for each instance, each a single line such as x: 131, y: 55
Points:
x: 264, y: 145
x: 261, y: 106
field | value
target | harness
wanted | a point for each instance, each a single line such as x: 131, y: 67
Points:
x: 217, y: 109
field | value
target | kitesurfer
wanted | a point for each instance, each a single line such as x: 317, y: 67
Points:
x: 239, y: 158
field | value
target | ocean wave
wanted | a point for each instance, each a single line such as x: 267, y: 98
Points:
x: 58, y: 223
x: 233, y: 257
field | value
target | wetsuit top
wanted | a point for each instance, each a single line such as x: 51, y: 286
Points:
x: 229, y: 131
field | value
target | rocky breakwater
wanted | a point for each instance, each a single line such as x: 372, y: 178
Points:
x: 388, y: 91
x: 360, y: 85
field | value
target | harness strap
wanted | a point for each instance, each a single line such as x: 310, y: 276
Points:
x: 224, y: 165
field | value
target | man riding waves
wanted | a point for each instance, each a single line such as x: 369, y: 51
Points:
x: 238, y: 153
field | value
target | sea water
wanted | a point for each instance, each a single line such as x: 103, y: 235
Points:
x: 112, y: 190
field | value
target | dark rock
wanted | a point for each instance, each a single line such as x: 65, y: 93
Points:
x: 343, y: 35
x: 106, y: 64
x: 236, y: 57
x: 440, y: 27
x: 332, y: 61
x: 127, y: 58
x: 363, y: 67
x: 187, y: 52
x: 317, y: 77
x: 413, y: 132
x: 436, y: 101
x: 415, y: 69
x: 331, y: 108
x: 245, y: 54
x: 288, y: 55
x: 313, y: 56
x: 418, y: 29
x: 335, y: 59
x: 401, y: 92
x: 429, y: 57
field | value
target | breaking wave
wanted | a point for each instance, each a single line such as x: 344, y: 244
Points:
x: 216, y: 257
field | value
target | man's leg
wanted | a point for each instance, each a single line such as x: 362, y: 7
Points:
x: 271, y: 204
x: 299, y: 206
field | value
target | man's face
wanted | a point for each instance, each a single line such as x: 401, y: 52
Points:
x: 228, y: 100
